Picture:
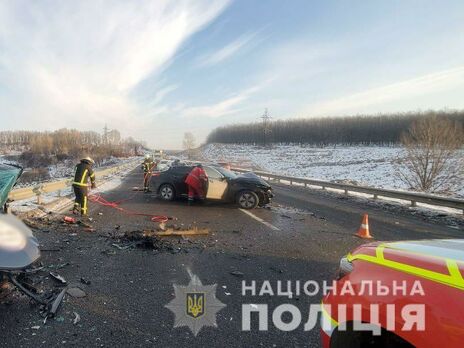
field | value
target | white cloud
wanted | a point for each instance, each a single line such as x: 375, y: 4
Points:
x: 69, y: 63
x: 161, y: 94
x: 417, y: 87
x: 226, y: 52
x: 224, y: 107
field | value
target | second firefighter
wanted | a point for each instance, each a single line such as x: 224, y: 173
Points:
x: 197, y: 182
x: 147, y: 166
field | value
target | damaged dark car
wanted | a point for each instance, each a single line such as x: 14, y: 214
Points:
x: 247, y: 190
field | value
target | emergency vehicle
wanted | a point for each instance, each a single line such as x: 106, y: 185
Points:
x: 389, y: 277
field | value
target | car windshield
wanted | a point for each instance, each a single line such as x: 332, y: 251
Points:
x: 161, y: 167
x: 227, y: 173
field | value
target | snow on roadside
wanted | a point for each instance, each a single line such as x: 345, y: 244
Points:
x: 65, y: 169
x: 107, y: 183
x: 359, y: 165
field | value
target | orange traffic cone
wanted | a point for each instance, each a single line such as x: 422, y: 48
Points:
x: 363, y: 231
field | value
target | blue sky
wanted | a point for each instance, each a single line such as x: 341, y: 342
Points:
x: 156, y: 69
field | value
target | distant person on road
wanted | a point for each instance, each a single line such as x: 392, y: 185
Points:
x: 80, y: 185
x: 148, y: 165
x: 196, y: 181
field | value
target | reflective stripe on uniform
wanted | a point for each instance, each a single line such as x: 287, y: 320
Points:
x: 84, y: 207
x: 83, y: 177
x: 83, y: 181
x: 453, y: 279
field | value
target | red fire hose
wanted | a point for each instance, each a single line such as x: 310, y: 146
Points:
x: 97, y: 198
x: 116, y: 205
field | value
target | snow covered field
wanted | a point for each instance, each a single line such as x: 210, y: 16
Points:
x: 360, y: 165
x: 65, y: 169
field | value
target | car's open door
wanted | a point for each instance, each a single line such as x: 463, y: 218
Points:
x: 217, y: 184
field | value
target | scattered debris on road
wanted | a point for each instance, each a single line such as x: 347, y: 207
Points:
x: 69, y: 220
x: 77, y: 318
x: 85, y: 281
x: 190, y: 232
x: 123, y: 247
x: 76, y: 292
x: 155, y: 239
x: 56, y: 304
x: 237, y: 273
x: 58, y: 278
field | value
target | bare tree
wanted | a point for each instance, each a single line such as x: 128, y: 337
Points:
x: 347, y: 130
x: 432, y: 162
x: 46, y: 148
x: 113, y: 137
x: 188, y: 143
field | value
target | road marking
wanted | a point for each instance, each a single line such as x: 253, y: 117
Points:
x: 272, y: 227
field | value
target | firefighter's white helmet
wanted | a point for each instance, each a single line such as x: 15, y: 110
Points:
x: 88, y: 159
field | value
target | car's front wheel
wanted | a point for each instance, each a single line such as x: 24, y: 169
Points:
x: 247, y: 200
x: 166, y: 192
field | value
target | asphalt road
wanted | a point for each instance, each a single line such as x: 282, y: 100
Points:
x: 301, y: 237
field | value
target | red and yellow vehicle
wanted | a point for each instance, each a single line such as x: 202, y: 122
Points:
x: 390, y: 279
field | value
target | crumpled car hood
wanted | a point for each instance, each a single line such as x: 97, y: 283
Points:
x: 251, y: 178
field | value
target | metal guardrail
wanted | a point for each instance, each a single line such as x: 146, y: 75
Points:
x: 412, y: 197
x: 38, y: 190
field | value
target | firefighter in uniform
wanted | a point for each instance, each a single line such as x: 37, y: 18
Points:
x: 148, y: 165
x: 80, y: 185
x: 196, y: 181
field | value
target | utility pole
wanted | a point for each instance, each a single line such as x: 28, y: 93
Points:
x: 266, y: 126
x: 105, y: 134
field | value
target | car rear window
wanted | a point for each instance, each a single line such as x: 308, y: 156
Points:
x: 212, y: 173
x: 180, y: 170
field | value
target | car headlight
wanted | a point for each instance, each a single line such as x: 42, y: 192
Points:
x: 345, y: 268
x: 11, y: 237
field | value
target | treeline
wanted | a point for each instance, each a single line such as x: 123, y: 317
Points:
x: 45, y: 148
x: 364, y: 129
